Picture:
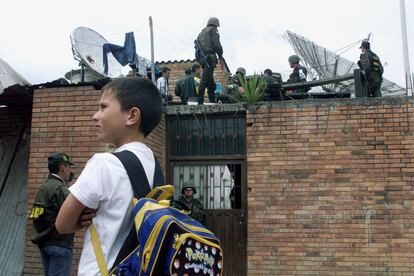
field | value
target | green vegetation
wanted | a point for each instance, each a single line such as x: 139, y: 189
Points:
x: 251, y: 90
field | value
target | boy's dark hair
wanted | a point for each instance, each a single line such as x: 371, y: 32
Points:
x: 141, y: 93
x: 195, y: 67
x: 165, y: 70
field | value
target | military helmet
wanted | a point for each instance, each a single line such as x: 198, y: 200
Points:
x: 365, y: 44
x: 294, y: 59
x: 188, y: 184
x: 213, y: 21
x: 241, y: 70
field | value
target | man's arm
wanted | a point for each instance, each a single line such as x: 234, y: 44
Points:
x: 69, y: 215
x: 215, y: 37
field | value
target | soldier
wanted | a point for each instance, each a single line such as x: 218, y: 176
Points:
x: 55, y: 248
x: 371, y: 66
x: 192, y: 204
x: 179, y: 86
x: 299, y: 73
x: 234, y: 86
x: 209, y: 41
x: 240, y: 72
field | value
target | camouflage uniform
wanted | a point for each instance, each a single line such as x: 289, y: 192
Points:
x: 194, y: 205
x: 371, y: 65
x: 209, y: 40
x: 299, y: 74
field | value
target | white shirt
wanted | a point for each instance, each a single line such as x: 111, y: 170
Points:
x: 104, y: 184
x: 162, y: 85
x: 58, y: 177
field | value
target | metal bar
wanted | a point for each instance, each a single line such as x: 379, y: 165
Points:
x: 336, y: 66
x: 317, y: 82
x: 406, y: 56
x: 152, y: 50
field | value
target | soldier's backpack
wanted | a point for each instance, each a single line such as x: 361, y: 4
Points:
x: 163, y: 240
x: 376, y: 64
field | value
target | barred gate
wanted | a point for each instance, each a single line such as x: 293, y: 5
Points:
x: 210, y: 151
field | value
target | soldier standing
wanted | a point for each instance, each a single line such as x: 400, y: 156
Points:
x: 299, y: 73
x: 209, y: 41
x: 371, y: 66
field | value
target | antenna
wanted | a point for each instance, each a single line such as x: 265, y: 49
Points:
x: 87, y: 49
x: 152, y: 50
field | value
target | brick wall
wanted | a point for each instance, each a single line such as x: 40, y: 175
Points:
x: 330, y: 187
x: 12, y: 118
x: 62, y: 121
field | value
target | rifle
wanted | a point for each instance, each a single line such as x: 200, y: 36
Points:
x: 200, y: 50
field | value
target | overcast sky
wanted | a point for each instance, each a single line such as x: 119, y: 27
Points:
x: 35, y: 35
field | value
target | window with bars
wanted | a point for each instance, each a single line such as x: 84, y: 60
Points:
x: 202, y: 136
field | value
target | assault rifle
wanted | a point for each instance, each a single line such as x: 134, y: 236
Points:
x: 199, y: 53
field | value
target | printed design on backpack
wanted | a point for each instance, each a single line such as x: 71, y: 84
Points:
x: 193, y: 257
x: 165, y: 237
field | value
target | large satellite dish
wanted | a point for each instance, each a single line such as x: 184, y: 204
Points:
x: 87, y: 49
x: 328, y: 64
x: 9, y: 77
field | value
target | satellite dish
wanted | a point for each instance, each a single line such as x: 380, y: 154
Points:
x: 328, y: 64
x: 9, y: 77
x: 87, y: 49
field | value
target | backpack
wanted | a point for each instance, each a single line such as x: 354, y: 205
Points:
x: 376, y: 64
x: 163, y: 240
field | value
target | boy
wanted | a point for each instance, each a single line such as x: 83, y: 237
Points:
x: 130, y: 108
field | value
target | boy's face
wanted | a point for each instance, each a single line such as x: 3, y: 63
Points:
x: 110, y: 120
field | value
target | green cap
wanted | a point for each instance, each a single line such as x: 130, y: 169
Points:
x: 60, y: 157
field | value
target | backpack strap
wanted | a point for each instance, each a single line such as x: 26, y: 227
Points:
x: 98, y: 251
x: 135, y: 171
x: 158, y: 175
x: 141, y: 188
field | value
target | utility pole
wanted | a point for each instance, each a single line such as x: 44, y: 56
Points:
x: 406, y: 57
x: 152, y: 51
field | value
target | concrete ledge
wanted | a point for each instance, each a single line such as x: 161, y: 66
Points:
x: 243, y: 107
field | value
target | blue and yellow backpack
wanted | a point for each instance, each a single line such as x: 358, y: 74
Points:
x: 163, y: 240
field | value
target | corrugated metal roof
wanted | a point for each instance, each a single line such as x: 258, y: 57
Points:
x: 175, y: 61
x: 186, y: 61
x: 13, y: 203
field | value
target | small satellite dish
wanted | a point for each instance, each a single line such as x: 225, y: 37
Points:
x: 87, y: 49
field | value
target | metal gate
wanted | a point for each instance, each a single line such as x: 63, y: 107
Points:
x: 210, y: 152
